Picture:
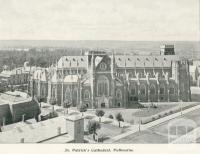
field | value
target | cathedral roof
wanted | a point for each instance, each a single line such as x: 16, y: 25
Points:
x: 144, y: 61
x: 73, y: 61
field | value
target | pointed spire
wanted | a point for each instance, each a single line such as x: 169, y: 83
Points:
x: 135, y: 68
x: 154, y: 73
x: 144, y: 68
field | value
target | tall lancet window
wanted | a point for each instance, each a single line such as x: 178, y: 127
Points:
x: 54, y: 92
x: 152, y: 89
x: 102, y: 86
x: 143, y: 89
x: 68, y: 95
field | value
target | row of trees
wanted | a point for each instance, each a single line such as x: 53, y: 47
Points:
x: 42, y: 58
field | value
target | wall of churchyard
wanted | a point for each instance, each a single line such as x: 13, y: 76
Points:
x: 5, y: 113
x: 29, y: 109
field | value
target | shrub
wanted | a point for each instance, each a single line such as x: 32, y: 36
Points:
x: 110, y: 116
x: 155, y: 107
x: 119, y: 118
x: 171, y: 112
x: 159, y: 116
x: 100, y: 113
x: 92, y: 127
x: 82, y: 108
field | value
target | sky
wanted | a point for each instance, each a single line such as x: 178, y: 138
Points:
x: 128, y: 20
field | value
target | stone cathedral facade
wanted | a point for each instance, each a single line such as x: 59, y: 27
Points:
x: 107, y: 80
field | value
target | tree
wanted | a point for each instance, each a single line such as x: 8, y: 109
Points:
x: 82, y: 108
x: 92, y: 127
x: 100, y: 113
x: 119, y: 118
x: 52, y: 102
x: 67, y: 104
x: 110, y: 116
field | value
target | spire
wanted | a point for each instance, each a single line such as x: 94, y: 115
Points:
x: 135, y: 68
x: 144, y: 68
x: 77, y: 64
x: 154, y: 73
x: 163, y: 73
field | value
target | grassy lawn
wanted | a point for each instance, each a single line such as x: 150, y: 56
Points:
x: 126, y: 113
x: 148, y: 137
x: 107, y: 130
x: 146, y: 112
x: 195, y: 116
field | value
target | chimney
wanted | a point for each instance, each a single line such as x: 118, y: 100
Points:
x: 23, y: 118
x: 75, y: 128
x: 4, y: 121
x: 59, y: 130
x: 22, y: 140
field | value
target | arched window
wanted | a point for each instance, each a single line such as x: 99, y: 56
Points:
x: 162, y: 89
x: 86, y: 95
x: 133, y: 90
x: 68, y: 94
x: 102, y: 86
x: 152, y: 89
x: 54, y: 92
x: 171, y: 89
x: 43, y: 90
x: 142, y: 89
x: 103, y: 66
x: 182, y: 88
x: 118, y: 94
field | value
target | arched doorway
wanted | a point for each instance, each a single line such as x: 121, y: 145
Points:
x: 142, y: 92
x: 152, y: 89
x: 103, y: 105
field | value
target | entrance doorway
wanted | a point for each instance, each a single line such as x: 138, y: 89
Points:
x: 103, y: 105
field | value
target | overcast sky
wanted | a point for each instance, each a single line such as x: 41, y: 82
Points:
x: 100, y: 19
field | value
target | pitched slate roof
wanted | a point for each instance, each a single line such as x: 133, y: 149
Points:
x: 144, y: 61
x: 73, y: 62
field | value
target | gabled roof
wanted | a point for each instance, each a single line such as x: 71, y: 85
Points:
x: 73, y: 62
x: 144, y: 61
x: 6, y: 73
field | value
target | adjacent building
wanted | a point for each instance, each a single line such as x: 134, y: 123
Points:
x: 106, y: 80
x: 17, y: 106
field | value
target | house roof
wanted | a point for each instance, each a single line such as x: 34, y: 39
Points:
x: 6, y: 73
x: 37, y: 132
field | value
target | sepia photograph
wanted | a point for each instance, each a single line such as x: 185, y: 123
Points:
x: 112, y: 72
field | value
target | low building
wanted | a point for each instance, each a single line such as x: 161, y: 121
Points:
x: 17, y: 78
x: 17, y: 106
x: 57, y: 130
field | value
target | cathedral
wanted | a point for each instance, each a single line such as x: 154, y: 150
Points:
x: 107, y: 80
